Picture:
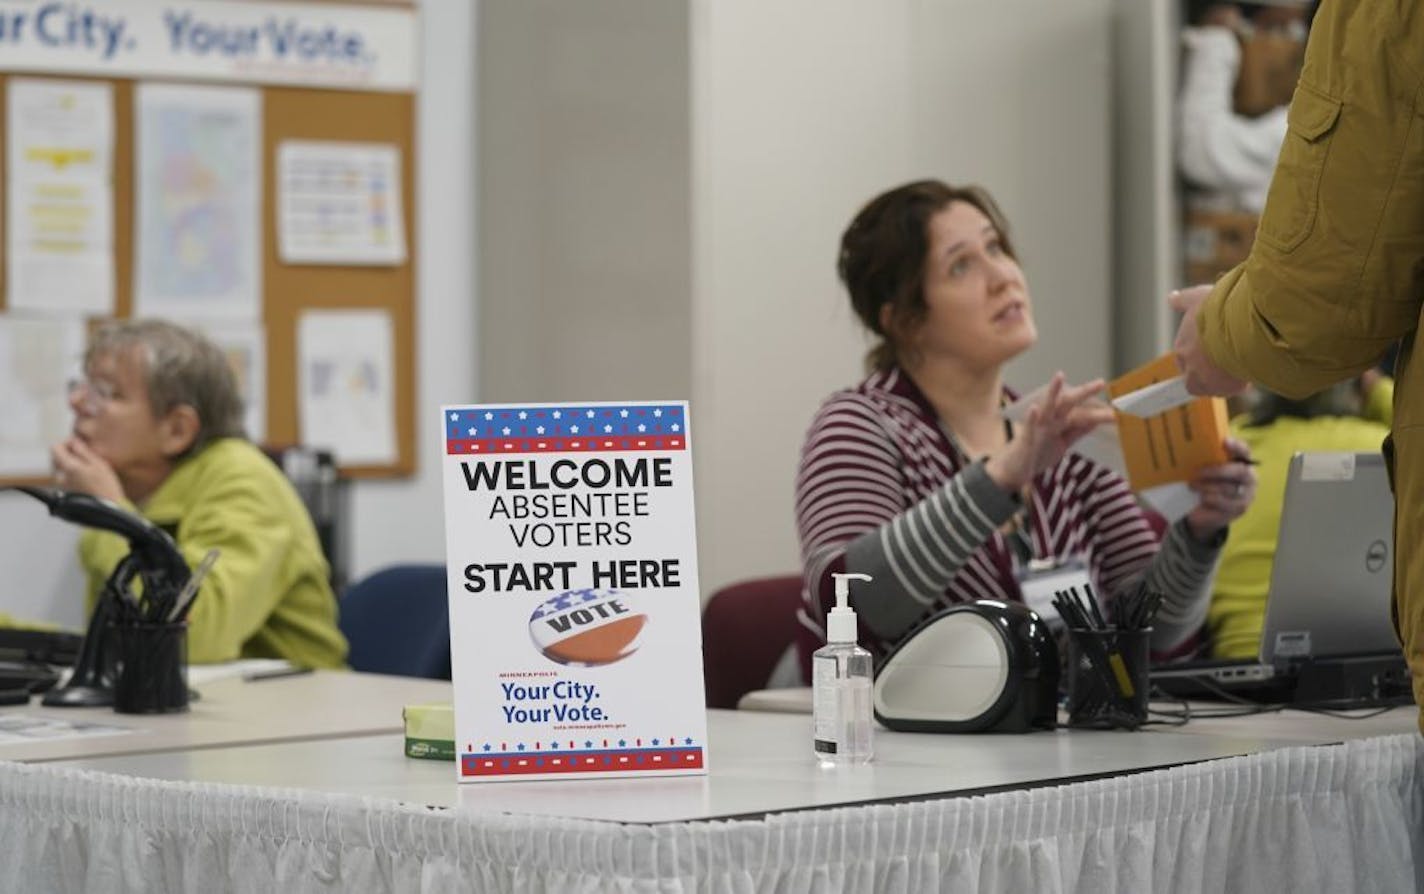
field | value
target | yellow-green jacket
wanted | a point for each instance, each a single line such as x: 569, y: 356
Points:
x: 268, y: 595
x: 1336, y: 273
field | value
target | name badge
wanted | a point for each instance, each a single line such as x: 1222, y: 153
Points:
x: 1040, y: 579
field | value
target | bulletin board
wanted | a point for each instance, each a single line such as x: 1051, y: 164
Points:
x: 290, y: 113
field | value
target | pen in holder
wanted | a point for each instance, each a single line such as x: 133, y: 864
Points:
x: 1107, y: 664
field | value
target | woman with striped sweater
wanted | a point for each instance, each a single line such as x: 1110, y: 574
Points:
x: 915, y: 477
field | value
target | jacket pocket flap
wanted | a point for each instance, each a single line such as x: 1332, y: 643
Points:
x: 1312, y: 114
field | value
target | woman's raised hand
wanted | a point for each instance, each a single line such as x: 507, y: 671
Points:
x: 1224, y: 492
x: 1056, y: 420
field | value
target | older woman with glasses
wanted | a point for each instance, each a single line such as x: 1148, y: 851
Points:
x: 158, y: 429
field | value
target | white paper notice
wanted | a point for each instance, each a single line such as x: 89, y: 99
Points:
x: 37, y: 358
x: 60, y: 199
x: 340, y: 203
x: 17, y: 729
x: 346, y: 397
x: 199, y: 190
x: 574, y: 612
x: 1155, y: 399
x: 1327, y: 466
x: 245, y: 344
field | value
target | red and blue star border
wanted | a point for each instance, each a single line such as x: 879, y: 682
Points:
x: 553, y: 758
x: 572, y: 428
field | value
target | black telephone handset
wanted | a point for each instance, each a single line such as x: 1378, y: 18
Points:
x: 157, y: 556
x: 154, y: 558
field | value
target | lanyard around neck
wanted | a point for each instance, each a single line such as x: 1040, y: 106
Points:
x: 1017, y: 533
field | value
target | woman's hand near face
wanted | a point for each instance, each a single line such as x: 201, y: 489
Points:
x: 1059, y: 418
x: 1224, y: 492
x: 78, y: 468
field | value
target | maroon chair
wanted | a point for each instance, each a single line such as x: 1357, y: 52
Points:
x: 746, y: 628
x: 1156, y: 521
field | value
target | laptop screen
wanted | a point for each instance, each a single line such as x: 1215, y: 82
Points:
x: 1333, y: 570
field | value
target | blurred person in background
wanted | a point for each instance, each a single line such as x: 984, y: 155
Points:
x: 158, y: 431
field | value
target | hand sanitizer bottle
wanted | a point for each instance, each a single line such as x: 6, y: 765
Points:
x: 840, y: 681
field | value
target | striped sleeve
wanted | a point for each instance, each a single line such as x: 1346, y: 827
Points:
x: 852, y: 512
x: 1182, y: 572
x: 1127, y: 551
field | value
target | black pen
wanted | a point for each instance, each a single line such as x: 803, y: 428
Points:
x: 275, y: 673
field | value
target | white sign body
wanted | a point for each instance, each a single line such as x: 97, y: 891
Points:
x: 574, y: 611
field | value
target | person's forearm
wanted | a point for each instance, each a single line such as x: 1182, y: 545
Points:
x: 1182, y: 573
x: 913, y: 557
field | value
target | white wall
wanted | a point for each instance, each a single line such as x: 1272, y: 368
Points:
x: 392, y: 521
x: 583, y: 181
x: 403, y: 520
x: 801, y: 112
x: 1147, y: 210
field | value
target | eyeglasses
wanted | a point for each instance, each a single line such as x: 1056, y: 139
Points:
x: 91, y: 394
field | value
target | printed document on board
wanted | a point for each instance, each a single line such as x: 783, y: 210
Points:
x: 59, y: 233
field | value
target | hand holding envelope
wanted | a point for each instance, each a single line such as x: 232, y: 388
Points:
x: 1164, y: 436
x: 1200, y: 374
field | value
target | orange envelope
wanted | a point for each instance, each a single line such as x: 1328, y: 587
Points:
x: 1171, y: 445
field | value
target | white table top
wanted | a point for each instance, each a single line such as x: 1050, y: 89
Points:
x: 759, y: 763
x: 1302, y: 727
x: 232, y: 711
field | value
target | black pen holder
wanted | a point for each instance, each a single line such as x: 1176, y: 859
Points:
x: 1107, y: 678
x: 152, y: 668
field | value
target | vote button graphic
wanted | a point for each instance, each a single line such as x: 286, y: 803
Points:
x: 588, y: 628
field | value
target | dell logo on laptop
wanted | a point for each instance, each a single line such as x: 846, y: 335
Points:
x: 1375, y: 556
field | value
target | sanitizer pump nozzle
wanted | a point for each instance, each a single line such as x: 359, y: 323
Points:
x: 840, y: 627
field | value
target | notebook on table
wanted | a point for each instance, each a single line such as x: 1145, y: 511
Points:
x: 1329, y: 593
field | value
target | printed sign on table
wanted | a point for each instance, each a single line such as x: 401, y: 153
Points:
x: 574, y: 611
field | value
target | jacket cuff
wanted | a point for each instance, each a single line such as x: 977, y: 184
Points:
x: 1201, y: 552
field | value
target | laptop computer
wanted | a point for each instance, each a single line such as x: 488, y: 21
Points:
x: 1331, y: 578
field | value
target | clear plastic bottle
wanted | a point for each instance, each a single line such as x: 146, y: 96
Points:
x: 841, y: 686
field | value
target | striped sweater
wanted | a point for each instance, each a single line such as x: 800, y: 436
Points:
x: 882, y: 490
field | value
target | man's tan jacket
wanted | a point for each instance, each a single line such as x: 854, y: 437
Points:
x: 1336, y: 273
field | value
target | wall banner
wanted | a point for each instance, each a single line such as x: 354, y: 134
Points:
x: 311, y: 45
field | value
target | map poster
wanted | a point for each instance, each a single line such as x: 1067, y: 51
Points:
x: 199, y: 189
x: 574, y: 612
